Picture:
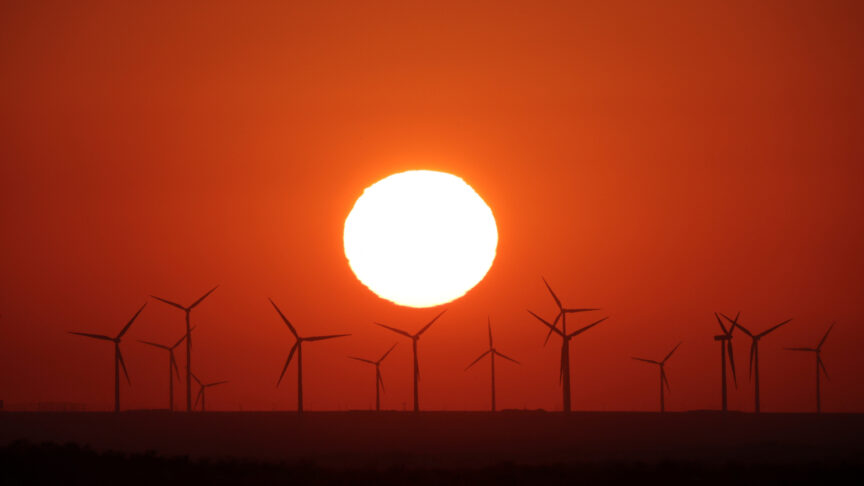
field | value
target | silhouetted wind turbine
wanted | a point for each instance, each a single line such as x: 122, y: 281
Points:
x: 414, y: 338
x: 725, y: 340
x: 172, y: 366
x: 298, y: 348
x: 754, y: 352
x: 118, y: 356
x: 564, y: 373
x: 820, y: 366
x: 379, y: 382
x: 492, y: 352
x: 202, y: 388
x: 663, y: 380
x: 188, y: 310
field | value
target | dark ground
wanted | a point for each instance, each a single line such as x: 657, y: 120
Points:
x: 429, y: 448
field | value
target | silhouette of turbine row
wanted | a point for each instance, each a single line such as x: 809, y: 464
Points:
x: 725, y: 340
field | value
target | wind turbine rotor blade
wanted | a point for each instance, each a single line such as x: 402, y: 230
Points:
x: 736, y: 324
x: 647, y: 360
x: 94, y: 336
x: 826, y: 335
x: 285, y: 319
x: 123, y: 365
x: 380, y: 380
x: 557, y: 301
x: 720, y: 321
x: 589, y: 326
x: 421, y: 331
x: 665, y: 380
x: 175, y: 304
x: 321, y: 338
x: 546, y: 323
x: 161, y: 346
x: 507, y: 357
x: 129, y: 324
x: 198, y: 398
x: 288, y: 362
x: 801, y: 349
x: 398, y: 331
x: 217, y: 383
x: 732, y: 362
x: 478, y: 359
x: 196, y: 379
x: 361, y: 359
x: 774, y: 328
x: 573, y: 311
x: 555, y: 326
x: 183, y: 338
x: 388, y: 352
x: 670, y: 352
x: 822, y: 366
x: 203, y: 297
x: 174, y: 365
x: 489, y: 325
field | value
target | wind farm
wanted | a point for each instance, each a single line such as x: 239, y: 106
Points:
x: 279, y: 204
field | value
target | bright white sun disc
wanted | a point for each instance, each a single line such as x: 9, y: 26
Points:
x: 420, y: 238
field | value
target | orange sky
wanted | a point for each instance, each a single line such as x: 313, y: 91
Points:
x: 661, y: 162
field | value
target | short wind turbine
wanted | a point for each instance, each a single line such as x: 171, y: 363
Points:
x: 664, y: 382
x: 379, y: 382
x: 118, y: 355
x: 202, y: 388
x: 820, y: 366
x: 754, y: 353
x: 492, y: 352
x: 187, y: 310
x: 564, y: 371
x: 414, y: 339
x: 298, y: 348
x: 725, y: 341
x: 172, y: 366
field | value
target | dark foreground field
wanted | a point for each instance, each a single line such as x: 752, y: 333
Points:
x: 428, y: 448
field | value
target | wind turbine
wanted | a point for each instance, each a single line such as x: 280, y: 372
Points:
x: 298, y: 348
x: 492, y: 352
x: 564, y: 373
x: 754, y: 351
x: 725, y: 341
x: 188, y: 310
x: 663, y: 380
x: 202, y: 387
x: 118, y: 356
x: 379, y: 382
x: 414, y: 338
x: 172, y: 366
x: 820, y: 366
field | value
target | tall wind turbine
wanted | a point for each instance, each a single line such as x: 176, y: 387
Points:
x: 379, y: 382
x: 188, y: 310
x: 492, y: 352
x: 725, y: 341
x: 118, y: 356
x: 754, y: 352
x: 414, y: 338
x: 820, y: 366
x: 298, y: 348
x: 202, y: 388
x: 564, y: 373
x: 663, y: 380
x: 172, y: 366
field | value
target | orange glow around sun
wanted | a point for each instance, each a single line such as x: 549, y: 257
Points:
x: 420, y: 238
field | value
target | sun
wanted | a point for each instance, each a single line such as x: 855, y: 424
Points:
x: 420, y: 238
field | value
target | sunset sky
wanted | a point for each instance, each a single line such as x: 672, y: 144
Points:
x: 659, y: 160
